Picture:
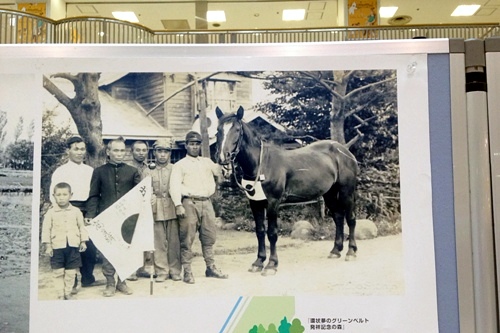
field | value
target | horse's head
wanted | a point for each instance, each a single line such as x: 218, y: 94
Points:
x: 229, y: 135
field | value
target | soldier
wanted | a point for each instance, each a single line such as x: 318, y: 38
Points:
x: 167, y: 261
x: 192, y: 183
x: 140, y: 151
x: 140, y: 154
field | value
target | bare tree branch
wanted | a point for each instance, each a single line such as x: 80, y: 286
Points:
x: 73, y: 78
x: 355, y: 91
x: 56, y: 92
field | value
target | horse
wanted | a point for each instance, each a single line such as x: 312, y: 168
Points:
x: 273, y: 175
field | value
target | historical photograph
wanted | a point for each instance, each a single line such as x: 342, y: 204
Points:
x: 225, y: 183
x: 17, y: 134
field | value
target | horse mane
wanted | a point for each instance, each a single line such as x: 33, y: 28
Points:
x: 248, y: 128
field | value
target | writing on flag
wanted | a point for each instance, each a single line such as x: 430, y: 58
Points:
x: 125, y: 229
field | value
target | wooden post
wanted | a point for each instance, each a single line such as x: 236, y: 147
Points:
x: 202, y: 112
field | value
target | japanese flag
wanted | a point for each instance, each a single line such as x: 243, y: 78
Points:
x: 125, y: 230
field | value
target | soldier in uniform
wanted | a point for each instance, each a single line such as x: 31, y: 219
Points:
x: 166, y: 258
x: 191, y: 186
x: 140, y: 151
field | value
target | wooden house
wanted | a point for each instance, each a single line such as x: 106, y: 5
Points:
x: 172, y: 100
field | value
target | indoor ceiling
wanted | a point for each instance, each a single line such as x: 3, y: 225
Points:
x: 241, y: 15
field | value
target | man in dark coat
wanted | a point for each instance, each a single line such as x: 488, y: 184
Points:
x: 109, y: 183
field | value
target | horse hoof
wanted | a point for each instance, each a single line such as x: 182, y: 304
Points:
x: 269, y: 272
x: 350, y: 257
x: 255, y: 269
x: 334, y: 255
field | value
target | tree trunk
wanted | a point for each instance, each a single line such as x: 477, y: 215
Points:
x: 338, y: 113
x: 337, y: 129
x: 85, y: 109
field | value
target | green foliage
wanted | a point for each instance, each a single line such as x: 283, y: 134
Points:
x: 284, y: 326
x: 19, y: 155
x: 363, y: 104
x: 261, y: 329
x: 297, y: 326
x: 53, y: 151
x: 231, y: 204
x: 3, y: 133
x: 272, y: 329
x: 302, y: 103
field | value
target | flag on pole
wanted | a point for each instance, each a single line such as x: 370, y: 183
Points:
x: 124, y: 230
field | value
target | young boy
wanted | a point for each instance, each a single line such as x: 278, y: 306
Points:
x: 64, y: 236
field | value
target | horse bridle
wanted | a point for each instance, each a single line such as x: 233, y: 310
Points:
x: 232, y: 158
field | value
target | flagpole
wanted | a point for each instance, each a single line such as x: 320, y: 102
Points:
x: 151, y: 273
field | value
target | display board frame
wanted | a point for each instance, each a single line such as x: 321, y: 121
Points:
x: 424, y: 115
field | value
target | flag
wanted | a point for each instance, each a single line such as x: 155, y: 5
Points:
x: 124, y: 230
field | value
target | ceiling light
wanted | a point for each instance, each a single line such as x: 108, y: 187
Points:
x: 387, y: 12
x: 293, y: 14
x: 465, y: 10
x: 216, y: 16
x: 126, y: 16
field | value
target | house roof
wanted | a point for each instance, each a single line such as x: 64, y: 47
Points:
x: 128, y: 119
x: 119, y: 117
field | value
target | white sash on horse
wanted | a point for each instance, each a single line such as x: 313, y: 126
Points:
x: 254, y: 189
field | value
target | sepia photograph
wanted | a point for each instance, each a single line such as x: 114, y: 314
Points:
x: 250, y: 190
x: 18, y: 116
x: 292, y: 156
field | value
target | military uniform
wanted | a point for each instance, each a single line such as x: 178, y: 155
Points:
x: 140, y: 166
x: 148, y: 257
x: 191, y: 185
x: 166, y: 226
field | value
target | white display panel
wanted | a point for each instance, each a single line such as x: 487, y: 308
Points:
x: 244, y: 300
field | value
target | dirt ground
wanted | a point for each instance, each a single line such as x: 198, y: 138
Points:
x: 15, y: 243
x: 304, y: 269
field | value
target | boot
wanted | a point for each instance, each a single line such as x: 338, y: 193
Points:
x: 110, y: 287
x: 188, y: 275
x: 214, y: 272
x: 123, y: 288
x: 109, y: 291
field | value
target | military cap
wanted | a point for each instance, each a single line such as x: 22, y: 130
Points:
x: 193, y: 136
x: 163, y: 144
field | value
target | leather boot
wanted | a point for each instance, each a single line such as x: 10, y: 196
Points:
x: 188, y: 275
x: 214, y: 272
x: 109, y: 291
x: 110, y: 287
x: 123, y: 288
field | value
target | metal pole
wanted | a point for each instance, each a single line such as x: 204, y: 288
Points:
x: 492, y: 47
x: 480, y: 188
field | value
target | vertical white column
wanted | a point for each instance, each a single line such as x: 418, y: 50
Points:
x: 480, y: 188
x: 341, y: 13
x: 492, y: 48
x: 465, y: 271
